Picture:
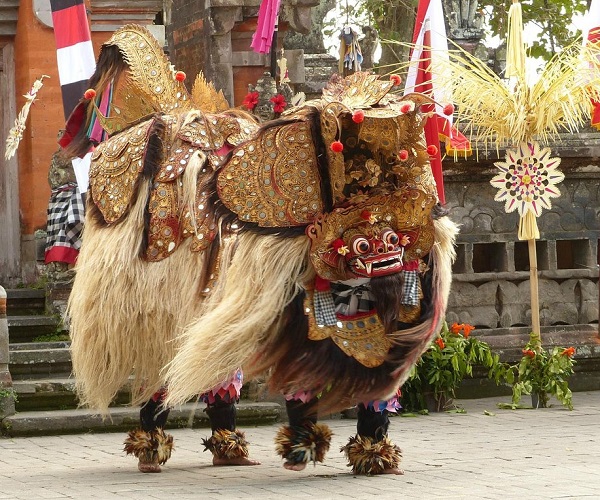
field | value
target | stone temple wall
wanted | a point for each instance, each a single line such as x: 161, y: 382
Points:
x: 491, y: 273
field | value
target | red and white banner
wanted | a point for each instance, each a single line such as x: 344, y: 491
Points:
x: 430, y: 44
x: 74, y: 50
x: 591, y: 34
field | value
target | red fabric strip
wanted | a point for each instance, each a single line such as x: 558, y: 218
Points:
x: 71, y: 26
x: 61, y: 254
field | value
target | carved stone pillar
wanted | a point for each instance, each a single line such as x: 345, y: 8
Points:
x: 464, y: 23
x: 214, y: 37
x: 222, y: 21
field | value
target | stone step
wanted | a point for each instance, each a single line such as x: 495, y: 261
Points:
x: 50, y: 394
x: 38, y: 423
x: 25, y: 301
x: 39, y: 360
x: 29, y: 327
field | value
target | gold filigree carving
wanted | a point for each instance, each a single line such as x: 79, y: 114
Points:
x: 164, y: 228
x: 273, y: 180
x: 359, y: 90
x: 116, y: 166
x: 206, y: 97
x: 363, y: 339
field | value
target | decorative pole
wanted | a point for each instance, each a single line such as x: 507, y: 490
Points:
x: 524, y: 115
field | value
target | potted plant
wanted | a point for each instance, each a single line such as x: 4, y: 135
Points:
x: 451, y: 357
x: 542, y: 373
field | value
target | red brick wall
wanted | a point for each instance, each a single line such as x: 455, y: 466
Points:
x: 188, y: 39
x: 190, y: 46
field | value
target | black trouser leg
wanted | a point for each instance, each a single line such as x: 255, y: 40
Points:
x: 153, y: 415
x: 371, y: 423
x: 300, y: 413
x: 221, y: 415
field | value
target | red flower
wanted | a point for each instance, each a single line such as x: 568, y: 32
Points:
x: 396, y: 80
x: 403, y: 155
x: 568, y: 352
x: 529, y: 352
x: 89, y: 94
x: 358, y: 116
x: 456, y: 328
x: 440, y: 342
x: 180, y: 76
x: 251, y: 100
x: 337, y: 244
x: 279, y: 103
x: 467, y: 329
x: 432, y: 150
x: 448, y: 109
x: 337, y: 147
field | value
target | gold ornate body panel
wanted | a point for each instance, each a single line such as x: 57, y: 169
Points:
x: 363, y: 339
x: 116, y: 166
x: 272, y: 180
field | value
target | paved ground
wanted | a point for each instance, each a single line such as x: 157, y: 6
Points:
x: 485, y: 453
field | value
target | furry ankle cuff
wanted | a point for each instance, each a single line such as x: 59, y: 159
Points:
x: 149, y: 446
x: 227, y: 444
x: 303, y: 444
x: 367, y: 456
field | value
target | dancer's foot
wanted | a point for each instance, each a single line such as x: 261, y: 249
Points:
x: 293, y: 466
x: 145, y: 466
x: 394, y: 470
x: 235, y: 461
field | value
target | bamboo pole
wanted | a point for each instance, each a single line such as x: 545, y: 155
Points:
x: 533, y: 286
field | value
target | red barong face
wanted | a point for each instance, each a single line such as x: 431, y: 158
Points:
x: 374, y: 250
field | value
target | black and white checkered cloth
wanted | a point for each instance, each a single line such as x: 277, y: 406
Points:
x: 64, y: 223
x: 354, y: 296
x: 350, y: 298
x: 410, y: 288
x: 324, y: 308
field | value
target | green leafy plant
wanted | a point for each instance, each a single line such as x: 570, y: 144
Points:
x: 542, y: 373
x: 59, y: 336
x: 450, y: 358
x: 9, y: 393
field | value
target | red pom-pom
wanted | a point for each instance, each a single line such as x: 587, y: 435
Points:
x: 405, y: 108
x: 403, y: 155
x: 449, y: 109
x: 89, y: 94
x: 358, y: 116
x: 365, y: 214
x: 396, y: 80
x: 337, y: 147
x: 180, y: 76
x: 337, y: 244
x: 432, y: 150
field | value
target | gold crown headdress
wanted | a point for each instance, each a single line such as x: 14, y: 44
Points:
x: 144, y: 82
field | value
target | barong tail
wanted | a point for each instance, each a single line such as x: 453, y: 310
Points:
x: 215, y: 233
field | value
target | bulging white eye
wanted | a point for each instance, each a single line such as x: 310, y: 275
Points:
x: 390, y: 237
x: 361, y: 246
